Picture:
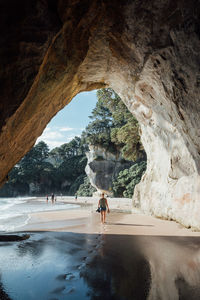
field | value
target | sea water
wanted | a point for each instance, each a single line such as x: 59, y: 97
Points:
x: 15, y: 212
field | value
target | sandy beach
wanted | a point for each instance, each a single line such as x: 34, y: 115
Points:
x: 70, y: 255
x: 122, y: 219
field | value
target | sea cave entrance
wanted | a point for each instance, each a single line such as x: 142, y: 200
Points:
x: 107, y: 147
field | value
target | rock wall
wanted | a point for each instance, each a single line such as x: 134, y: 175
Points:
x: 148, y: 52
x: 102, y: 167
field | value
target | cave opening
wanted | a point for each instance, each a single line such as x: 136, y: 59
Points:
x: 95, y: 133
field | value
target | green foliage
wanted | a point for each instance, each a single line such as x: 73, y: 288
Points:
x: 48, y: 170
x: 127, y: 179
x: 113, y: 126
x: 16, y: 185
x: 73, y: 167
x: 86, y: 189
x: 76, y: 184
x: 75, y: 147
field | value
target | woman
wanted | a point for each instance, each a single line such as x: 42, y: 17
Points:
x: 103, y: 204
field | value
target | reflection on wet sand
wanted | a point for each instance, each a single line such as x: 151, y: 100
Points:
x: 55, y: 265
x: 175, y: 267
x: 118, y: 272
x: 145, y: 267
x: 3, y: 295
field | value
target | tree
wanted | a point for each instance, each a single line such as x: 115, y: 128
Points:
x: 33, y: 164
x: 125, y: 183
x: 86, y: 189
x: 98, y: 131
x: 114, y: 127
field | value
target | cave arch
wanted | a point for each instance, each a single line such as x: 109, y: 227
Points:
x: 148, y: 53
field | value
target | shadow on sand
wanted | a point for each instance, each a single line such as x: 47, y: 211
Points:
x: 126, y: 224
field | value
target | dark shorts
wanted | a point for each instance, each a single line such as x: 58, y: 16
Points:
x: 103, y: 208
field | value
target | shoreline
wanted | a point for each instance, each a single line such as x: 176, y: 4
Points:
x: 123, y: 219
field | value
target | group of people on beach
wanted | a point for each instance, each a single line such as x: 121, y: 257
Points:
x: 53, y: 198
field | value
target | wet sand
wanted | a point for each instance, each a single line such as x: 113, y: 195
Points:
x: 70, y: 255
x: 123, y: 220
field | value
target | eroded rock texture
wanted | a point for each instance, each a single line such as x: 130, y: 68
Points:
x: 103, y: 167
x: 147, y: 51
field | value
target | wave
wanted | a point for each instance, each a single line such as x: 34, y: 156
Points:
x: 15, y: 212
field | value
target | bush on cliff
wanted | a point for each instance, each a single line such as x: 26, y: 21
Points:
x: 127, y: 179
x: 86, y: 189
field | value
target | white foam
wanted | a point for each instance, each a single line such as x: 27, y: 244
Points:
x: 15, y: 212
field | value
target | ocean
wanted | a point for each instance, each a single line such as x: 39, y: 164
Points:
x: 15, y: 212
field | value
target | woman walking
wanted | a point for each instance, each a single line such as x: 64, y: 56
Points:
x: 103, y: 205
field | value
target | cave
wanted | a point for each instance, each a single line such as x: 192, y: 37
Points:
x: 147, y: 51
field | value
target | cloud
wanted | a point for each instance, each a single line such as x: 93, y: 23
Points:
x: 66, y: 129
x: 52, y: 135
x: 56, y: 136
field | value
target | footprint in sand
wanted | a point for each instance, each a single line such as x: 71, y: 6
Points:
x: 58, y: 290
x: 61, y: 277
x: 79, y: 267
x: 68, y: 276
x: 69, y: 291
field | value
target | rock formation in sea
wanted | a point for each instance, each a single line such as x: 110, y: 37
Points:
x: 147, y: 51
x: 103, y: 167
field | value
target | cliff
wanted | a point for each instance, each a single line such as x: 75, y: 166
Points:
x: 103, y: 167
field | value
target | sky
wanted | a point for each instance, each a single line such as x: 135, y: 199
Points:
x: 70, y: 121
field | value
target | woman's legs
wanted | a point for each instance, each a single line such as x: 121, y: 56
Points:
x: 104, y: 216
x: 101, y: 216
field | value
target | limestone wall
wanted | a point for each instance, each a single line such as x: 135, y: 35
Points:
x: 103, y: 167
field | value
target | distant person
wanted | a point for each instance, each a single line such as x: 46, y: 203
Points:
x: 103, y: 205
x: 47, y: 198
x: 76, y: 196
x: 52, y: 198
